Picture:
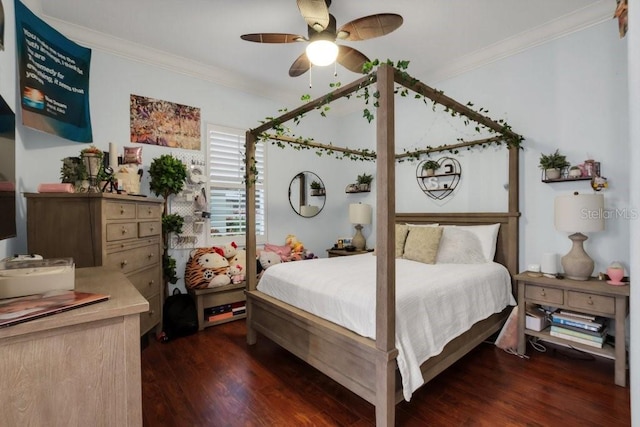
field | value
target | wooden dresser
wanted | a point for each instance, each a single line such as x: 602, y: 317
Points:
x: 80, y: 367
x: 103, y: 229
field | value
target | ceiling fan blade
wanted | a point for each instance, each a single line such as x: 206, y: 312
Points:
x: 351, y: 59
x: 370, y: 26
x: 300, y: 66
x: 273, y: 38
x: 315, y: 12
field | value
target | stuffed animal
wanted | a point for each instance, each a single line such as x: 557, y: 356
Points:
x: 283, y: 251
x: 229, y: 250
x: 297, y: 248
x: 206, y: 268
x: 265, y: 260
x: 236, y: 274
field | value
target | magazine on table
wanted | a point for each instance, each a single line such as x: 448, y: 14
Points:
x: 22, y: 309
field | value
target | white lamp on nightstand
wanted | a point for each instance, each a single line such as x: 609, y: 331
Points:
x: 579, y: 213
x: 359, y: 213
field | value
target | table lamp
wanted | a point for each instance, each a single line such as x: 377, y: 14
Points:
x: 359, y: 213
x: 579, y: 213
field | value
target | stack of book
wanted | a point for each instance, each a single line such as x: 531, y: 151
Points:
x: 224, y: 311
x: 582, y: 328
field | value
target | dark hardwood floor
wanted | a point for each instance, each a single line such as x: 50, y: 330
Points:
x: 213, y: 378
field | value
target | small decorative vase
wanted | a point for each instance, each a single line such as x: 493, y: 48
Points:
x: 575, y: 173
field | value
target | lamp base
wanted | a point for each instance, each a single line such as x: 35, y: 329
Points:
x: 358, y: 240
x: 577, y: 265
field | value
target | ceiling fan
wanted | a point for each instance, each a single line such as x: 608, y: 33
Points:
x: 322, y: 34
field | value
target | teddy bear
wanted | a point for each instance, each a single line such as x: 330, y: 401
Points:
x: 206, y: 268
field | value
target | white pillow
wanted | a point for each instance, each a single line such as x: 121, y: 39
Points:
x: 435, y: 224
x: 488, y: 235
x: 459, y: 246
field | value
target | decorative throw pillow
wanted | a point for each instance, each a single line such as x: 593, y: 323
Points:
x: 459, y: 246
x: 422, y: 244
x: 401, y: 235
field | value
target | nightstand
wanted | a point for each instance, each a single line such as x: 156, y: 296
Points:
x: 592, y: 297
x: 343, y: 252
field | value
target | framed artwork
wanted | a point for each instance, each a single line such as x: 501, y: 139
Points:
x: 164, y: 123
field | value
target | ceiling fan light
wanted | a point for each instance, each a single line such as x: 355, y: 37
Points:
x: 322, y: 52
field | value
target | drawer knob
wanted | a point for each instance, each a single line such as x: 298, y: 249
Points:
x: 123, y: 263
x: 542, y: 293
x: 151, y: 255
x: 152, y: 228
x: 121, y: 210
x: 151, y: 313
x: 590, y: 301
x: 151, y: 282
x: 124, y: 230
x: 149, y: 211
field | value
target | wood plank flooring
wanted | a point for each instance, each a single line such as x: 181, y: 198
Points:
x: 213, y: 378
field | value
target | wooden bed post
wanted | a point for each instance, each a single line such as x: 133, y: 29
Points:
x: 385, y: 247
x: 251, y: 274
x: 514, y: 210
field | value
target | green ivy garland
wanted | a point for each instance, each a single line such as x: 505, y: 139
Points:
x: 284, y: 137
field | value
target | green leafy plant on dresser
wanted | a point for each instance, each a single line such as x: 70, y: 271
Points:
x: 168, y: 176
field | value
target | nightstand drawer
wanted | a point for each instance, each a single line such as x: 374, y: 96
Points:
x: 542, y: 295
x: 590, y: 302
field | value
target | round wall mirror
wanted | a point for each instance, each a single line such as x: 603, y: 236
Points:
x: 307, y: 194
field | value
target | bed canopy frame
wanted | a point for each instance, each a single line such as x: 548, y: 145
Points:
x: 339, y: 353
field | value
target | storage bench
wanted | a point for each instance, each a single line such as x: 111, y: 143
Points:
x: 220, y: 304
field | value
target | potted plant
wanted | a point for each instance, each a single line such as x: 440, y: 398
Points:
x: 364, y: 182
x: 552, y: 164
x: 73, y: 172
x: 316, y: 188
x: 430, y: 167
x: 168, y: 176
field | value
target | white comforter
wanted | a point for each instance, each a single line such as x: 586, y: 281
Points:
x: 434, y: 303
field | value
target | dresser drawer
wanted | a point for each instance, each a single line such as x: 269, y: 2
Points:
x: 149, y: 211
x: 121, y: 231
x: 598, y: 303
x: 542, y: 295
x: 147, y: 282
x: 134, y: 259
x: 151, y: 317
x: 120, y: 210
x: 149, y: 228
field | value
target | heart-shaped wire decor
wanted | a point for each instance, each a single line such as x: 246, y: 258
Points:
x: 444, y: 180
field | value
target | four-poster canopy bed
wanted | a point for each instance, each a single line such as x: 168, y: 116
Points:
x: 345, y: 356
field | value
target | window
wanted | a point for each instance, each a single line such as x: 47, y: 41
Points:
x: 227, y: 188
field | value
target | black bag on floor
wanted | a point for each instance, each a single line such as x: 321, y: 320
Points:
x: 179, y: 317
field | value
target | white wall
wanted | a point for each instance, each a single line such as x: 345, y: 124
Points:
x: 568, y: 94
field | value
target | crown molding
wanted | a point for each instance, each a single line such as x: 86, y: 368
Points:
x: 581, y: 19
x: 157, y: 58
x: 586, y: 17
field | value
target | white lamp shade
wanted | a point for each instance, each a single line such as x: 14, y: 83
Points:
x: 309, y: 210
x: 579, y: 213
x: 360, y: 213
x: 322, y: 52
